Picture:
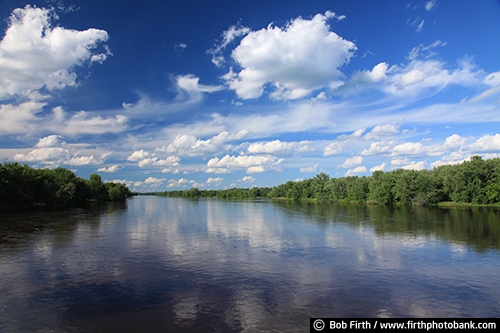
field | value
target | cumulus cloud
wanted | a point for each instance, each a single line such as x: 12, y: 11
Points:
x: 350, y: 162
x: 417, y: 148
x: 454, y: 140
x: 50, y: 141
x: 380, y: 167
x: 20, y: 118
x: 377, y: 148
x: 253, y: 164
x: 52, y: 150
x: 404, y: 163
x: 487, y: 143
x: 312, y: 168
x: 35, y: 55
x: 138, y: 155
x: 342, y: 141
x: 409, y: 148
x: 185, y: 144
x: 155, y: 161
x: 83, y: 160
x: 247, y: 179
x: 56, y: 156
x: 382, y: 131
x: 455, y: 157
x: 297, y: 59
x: 48, y: 155
x: 353, y: 172
x: 419, y: 75
x: 279, y: 147
x: 153, y: 180
x: 23, y: 119
x: 84, y: 123
x: 244, y: 180
x: 362, y: 79
x: 180, y: 183
x: 414, y: 166
x: 214, y: 181
x: 111, y: 169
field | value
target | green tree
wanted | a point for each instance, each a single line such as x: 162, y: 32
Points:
x: 98, y: 191
x: 381, y: 188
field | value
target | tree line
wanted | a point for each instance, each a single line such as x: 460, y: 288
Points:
x: 23, y: 187
x: 475, y: 181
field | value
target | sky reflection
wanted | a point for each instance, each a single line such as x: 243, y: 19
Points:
x: 236, y: 266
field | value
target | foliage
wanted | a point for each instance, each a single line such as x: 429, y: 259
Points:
x: 475, y: 181
x: 23, y: 187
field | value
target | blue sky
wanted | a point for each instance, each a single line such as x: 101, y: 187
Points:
x: 165, y: 95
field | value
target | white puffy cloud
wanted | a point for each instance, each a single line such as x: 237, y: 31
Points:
x: 417, y: 148
x: 380, y: 167
x: 20, y: 118
x: 404, y: 163
x: 155, y: 161
x: 56, y: 156
x: 247, y: 179
x: 215, y: 181
x: 382, y: 131
x: 83, y: 123
x: 312, y: 168
x: 180, y: 183
x: 256, y: 169
x: 342, y: 141
x: 487, y: 143
x: 455, y: 157
x: 352, y: 172
x: 185, y: 144
x: 138, y: 155
x: 352, y: 161
x: 278, y: 147
x: 50, y: 141
x: 414, y: 166
x: 46, y: 155
x: 399, y: 161
x: 23, y: 119
x: 83, y: 160
x: 363, y: 78
x: 153, y: 180
x: 218, y: 170
x: 419, y: 75
x: 111, y: 169
x: 297, y: 59
x: 377, y: 148
x: 253, y: 164
x: 454, y: 140
x: 409, y: 148
x: 244, y: 180
x: 52, y: 150
x: 33, y: 54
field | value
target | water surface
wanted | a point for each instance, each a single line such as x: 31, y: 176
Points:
x: 173, y: 265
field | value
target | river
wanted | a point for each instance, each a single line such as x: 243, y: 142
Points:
x: 154, y: 264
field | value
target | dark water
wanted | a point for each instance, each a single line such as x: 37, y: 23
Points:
x: 174, y: 265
